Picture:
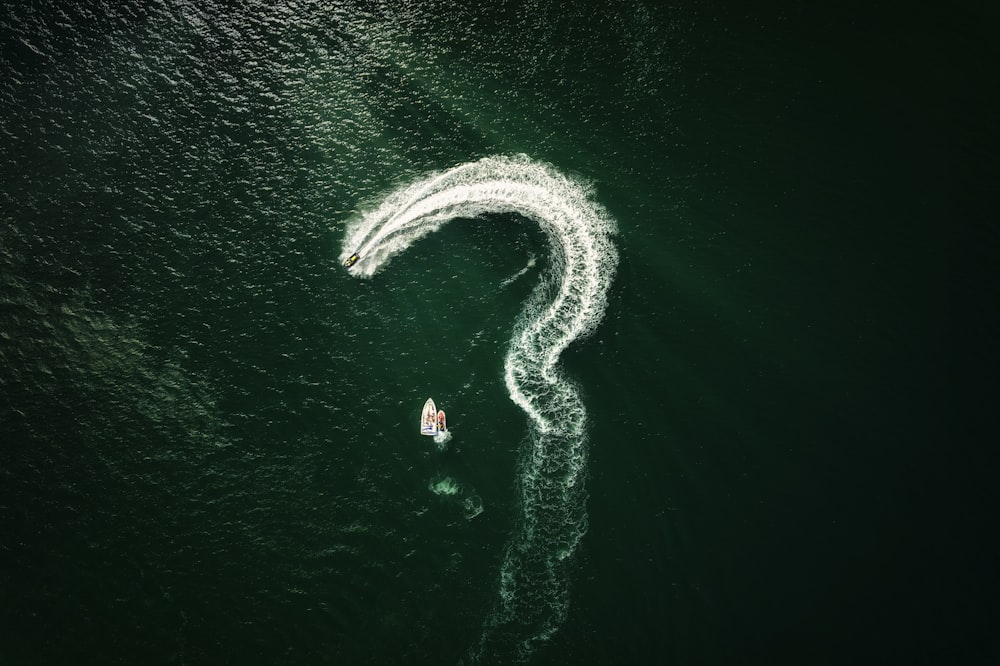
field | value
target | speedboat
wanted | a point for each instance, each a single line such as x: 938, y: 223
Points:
x: 428, y: 419
x: 353, y: 259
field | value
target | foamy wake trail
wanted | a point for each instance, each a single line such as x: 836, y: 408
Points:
x: 569, y: 302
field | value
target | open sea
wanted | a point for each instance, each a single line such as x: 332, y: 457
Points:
x: 708, y: 292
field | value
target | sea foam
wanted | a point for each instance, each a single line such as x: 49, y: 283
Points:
x: 569, y: 302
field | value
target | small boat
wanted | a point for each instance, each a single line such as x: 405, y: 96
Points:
x: 428, y: 419
x: 351, y: 260
x: 442, y: 424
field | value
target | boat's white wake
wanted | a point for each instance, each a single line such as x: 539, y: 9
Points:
x: 528, y: 267
x: 442, y: 439
x: 569, y: 302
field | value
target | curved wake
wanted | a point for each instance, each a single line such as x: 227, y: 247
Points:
x: 569, y: 302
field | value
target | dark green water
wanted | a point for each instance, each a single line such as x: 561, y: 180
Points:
x: 208, y: 446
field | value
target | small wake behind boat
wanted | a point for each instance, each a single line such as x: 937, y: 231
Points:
x: 429, y: 419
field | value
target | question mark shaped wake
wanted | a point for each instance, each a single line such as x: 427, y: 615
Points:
x: 568, y: 302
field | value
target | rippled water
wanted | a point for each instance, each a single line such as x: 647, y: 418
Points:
x: 208, y: 446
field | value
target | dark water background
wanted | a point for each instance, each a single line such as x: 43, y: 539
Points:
x: 207, y: 429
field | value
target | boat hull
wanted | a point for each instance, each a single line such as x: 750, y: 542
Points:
x: 428, y: 419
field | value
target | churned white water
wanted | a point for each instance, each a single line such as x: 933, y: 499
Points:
x: 568, y: 303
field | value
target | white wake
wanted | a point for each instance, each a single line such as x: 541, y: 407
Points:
x: 569, y: 302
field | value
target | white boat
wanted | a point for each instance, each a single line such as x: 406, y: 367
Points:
x: 428, y: 419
